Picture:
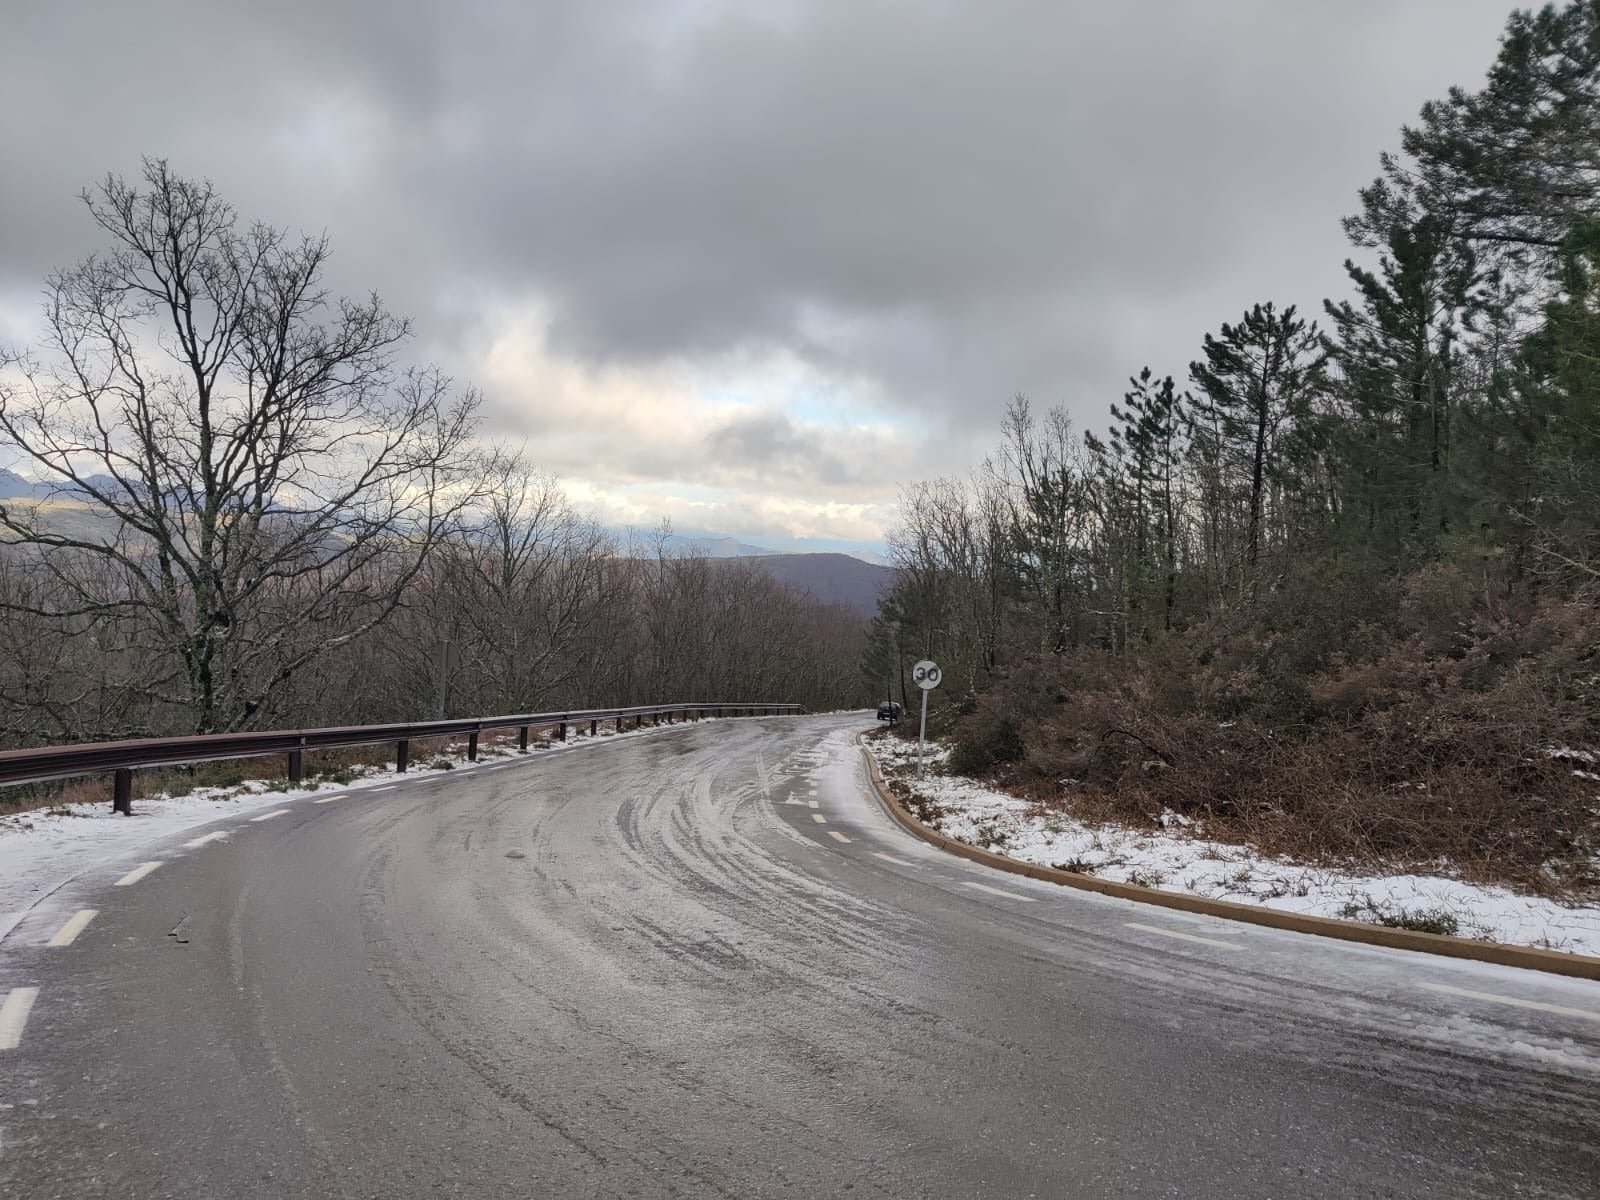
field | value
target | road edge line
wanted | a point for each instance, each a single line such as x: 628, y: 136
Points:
x: 1555, y: 962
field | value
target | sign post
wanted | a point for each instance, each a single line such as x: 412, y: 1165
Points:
x: 926, y: 674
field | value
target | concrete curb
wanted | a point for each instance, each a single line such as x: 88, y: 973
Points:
x: 1554, y: 962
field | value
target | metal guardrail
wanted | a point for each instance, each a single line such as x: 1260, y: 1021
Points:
x: 120, y: 758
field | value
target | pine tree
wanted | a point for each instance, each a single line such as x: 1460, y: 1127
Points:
x: 1257, y: 380
x: 1148, y: 442
x: 1397, y: 355
x: 1511, y: 167
x: 1543, y: 454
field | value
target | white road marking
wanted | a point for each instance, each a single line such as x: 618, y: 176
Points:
x: 1187, y: 937
x: 813, y: 804
x: 994, y: 891
x: 196, y: 843
x: 819, y: 818
x: 14, y: 1015
x: 277, y: 812
x: 136, y: 874
x: 899, y: 862
x: 1539, y: 1005
x: 388, y: 787
x: 324, y: 800
x: 793, y: 800
x: 837, y: 836
x: 69, y: 932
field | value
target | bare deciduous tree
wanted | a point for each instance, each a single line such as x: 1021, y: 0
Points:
x: 268, y: 479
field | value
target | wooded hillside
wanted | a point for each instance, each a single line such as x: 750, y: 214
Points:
x: 1333, y: 585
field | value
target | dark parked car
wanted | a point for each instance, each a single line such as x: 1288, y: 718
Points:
x: 889, y: 711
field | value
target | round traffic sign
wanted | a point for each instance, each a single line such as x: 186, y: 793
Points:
x: 926, y: 674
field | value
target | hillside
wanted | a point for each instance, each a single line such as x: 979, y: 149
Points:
x: 831, y: 578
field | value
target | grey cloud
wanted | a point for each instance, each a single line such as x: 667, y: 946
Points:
x: 761, y: 445
x: 953, y: 201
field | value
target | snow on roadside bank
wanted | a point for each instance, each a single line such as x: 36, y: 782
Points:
x: 1174, y: 862
x: 43, y: 850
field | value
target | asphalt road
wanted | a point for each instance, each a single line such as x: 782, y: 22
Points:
x: 703, y: 962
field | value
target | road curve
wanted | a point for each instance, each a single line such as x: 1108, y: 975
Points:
x: 703, y: 962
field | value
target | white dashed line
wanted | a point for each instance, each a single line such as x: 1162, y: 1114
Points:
x: 388, y: 787
x: 277, y: 812
x: 14, y: 1015
x: 1187, y: 937
x: 324, y: 800
x: 899, y: 862
x: 1538, y: 1005
x: 837, y: 836
x: 819, y: 818
x: 136, y: 874
x: 69, y: 932
x: 795, y: 800
x: 196, y: 843
x: 813, y: 804
x: 994, y: 891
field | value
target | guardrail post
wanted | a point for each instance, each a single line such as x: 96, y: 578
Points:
x: 619, y: 724
x: 594, y: 728
x: 122, y: 792
x: 472, y: 746
x: 522, y: 738
x: 655, y: 718
x: 402, y: 755
x: 563, y: 731
x: 297, y: 769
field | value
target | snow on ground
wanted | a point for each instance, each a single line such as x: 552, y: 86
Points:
x: 43, y: 850
x: 1174, y: 861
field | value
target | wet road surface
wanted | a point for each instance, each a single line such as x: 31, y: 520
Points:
x: 703, y: 962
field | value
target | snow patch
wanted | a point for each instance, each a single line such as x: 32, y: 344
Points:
x: 1173, y: 860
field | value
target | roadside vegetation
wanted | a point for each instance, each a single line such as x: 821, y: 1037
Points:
x: 1333, y: 588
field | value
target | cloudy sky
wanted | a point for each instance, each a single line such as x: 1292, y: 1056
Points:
x: 752, y: 265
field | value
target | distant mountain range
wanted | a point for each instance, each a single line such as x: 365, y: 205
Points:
x: 712, y: 545
x: 717, y: 545
x: 15, y: 487
x: 853, y: 578
x: 850, y: 578
x: 831, y: 578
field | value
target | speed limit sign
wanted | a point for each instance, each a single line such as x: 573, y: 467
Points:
x: 927, y: 675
